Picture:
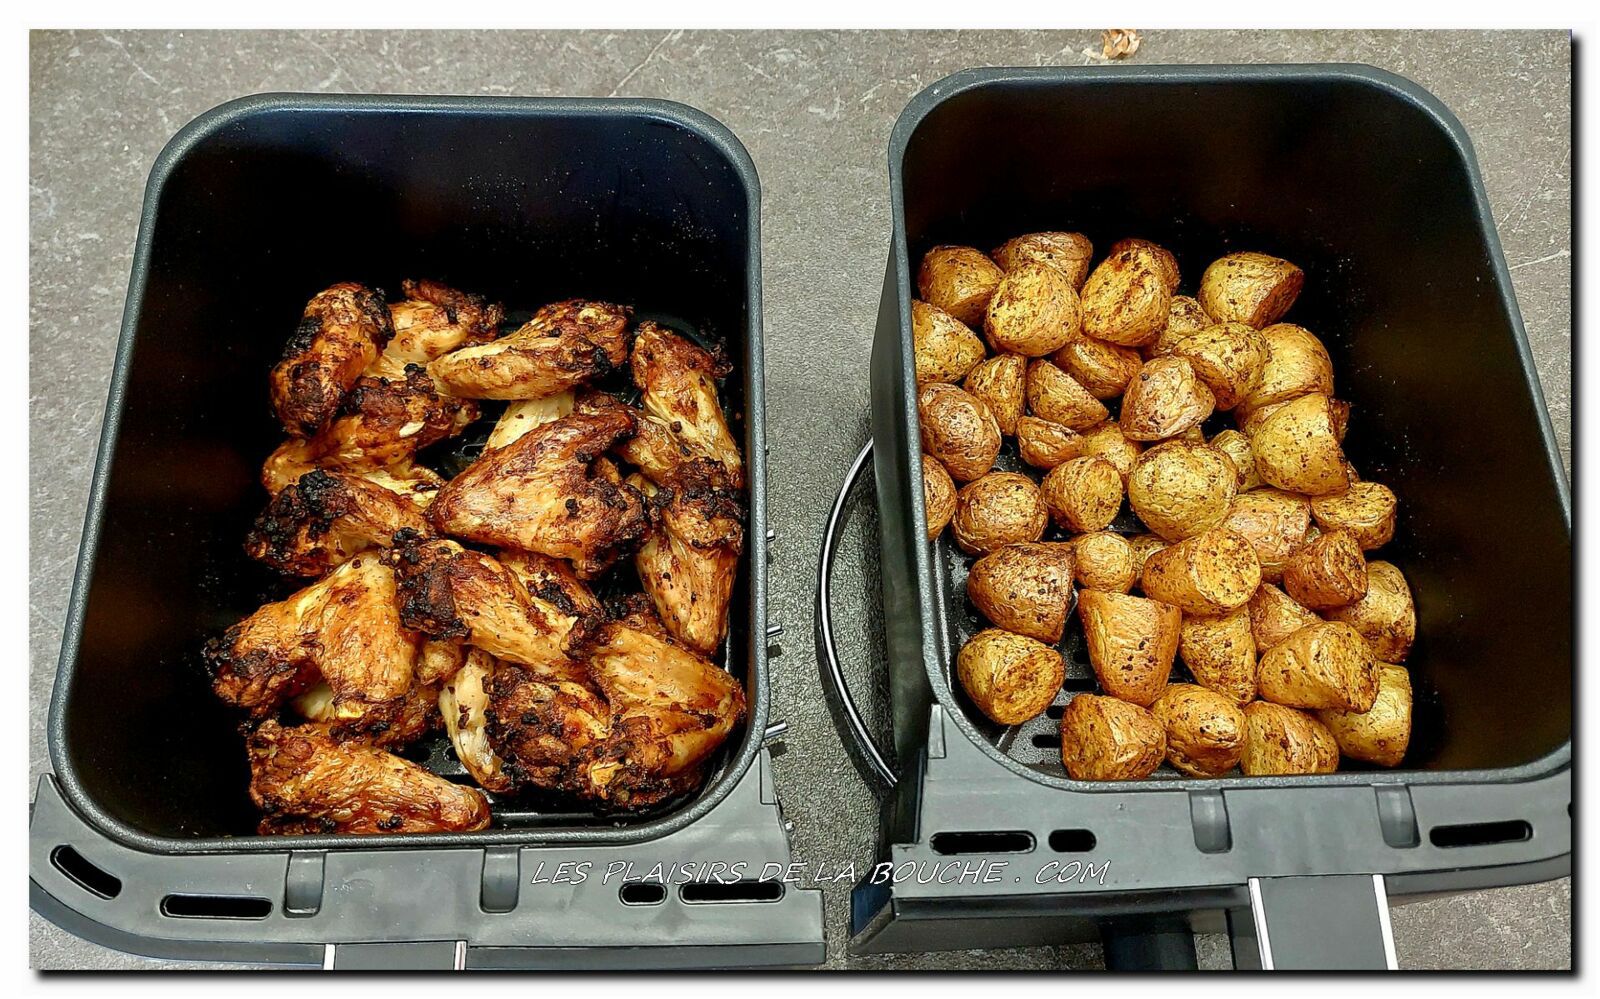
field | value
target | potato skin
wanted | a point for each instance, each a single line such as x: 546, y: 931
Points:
x: 1165, y: 263
x: 1164, y: 399
x: 1082, y: 494
x: 1132, y: 642
x: 1274, y: 522
x: 998, y: 509
x: 1251, y: 288
x: 1043, y: 444
x: 1106, y: 440
x: 1105, y: 561
x: 1034, y: 311
x: 1185, y: 317
x: 1380, y: 734
x: 1326, y: 572
x: 1236, y: 446
x: 960, y: 280
x: 1103, y: 738
x: 1208, y: 574
x: 1144, y: 546
x: 1221, y: 653
x: 1068, y: 252
x: 1228, y: 357
x: 1385, y: 616
x: 1204, y: 729
x: 1296, y: 364
x: 958, y: 429
x: 1279, y: 741
x: 1024, y: 588
x: 1274, y: 616
x: 1366, y: 510
x: 1323, y: 665
x: 1105, y: 369
x: 1180, y: 488
x: 1125, y: 299
x: 944, y: 348
x: 1056, y: 396
x: 938, y: 495
x: 1250, y: 420
x: 1000, y: 383
x: 1297, y: 448
x: 1009, y: 677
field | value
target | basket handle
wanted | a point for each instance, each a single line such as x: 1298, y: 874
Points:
x: 824, y: 618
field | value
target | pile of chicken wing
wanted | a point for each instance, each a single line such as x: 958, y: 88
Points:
x: 471, y: 604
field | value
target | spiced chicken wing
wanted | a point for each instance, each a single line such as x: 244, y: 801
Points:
x: 564, y: 345
x: 325, y: 518
x: 464, y: 703
x: 678, y: 384
x: 342, y: 331
x: 431, y: 321
x: 523, y: 415
x: 691, y: 555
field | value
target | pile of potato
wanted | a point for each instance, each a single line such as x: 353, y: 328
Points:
x: 1253, y: 568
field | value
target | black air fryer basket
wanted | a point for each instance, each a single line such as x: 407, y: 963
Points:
x: 1370, y: 185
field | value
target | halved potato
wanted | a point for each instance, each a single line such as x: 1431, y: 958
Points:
x: 1250, y: 420
x: 944, y: 348
x: 1104, y: 561
x: 1381, y: 733
x: 1204, y: 729
x: 1164, y: 261
x: 1001, y: 383
x: 1068, y: 252
x: 1033, y: 312
x: 958, y: 429
x: 1366, y: 510
x: 1164, y: 399
x: 1103, y: 738
x: 1184, y: 317
x: 960, y: 280
x: 1180, y: 488
x: 1125, y: 299
x: 1105, y: 369
x: 1297, y: 447
x: 1228, y: 357
x: 1323, y: 665
x: 998, y: 509
x: 1237, y: 447
x: 1082, y: 494
x: 1275, y: 616
x: 1132, y: 642
x: 1385, y: 615
x: 1326, y: 572
x: 1106, y: 440
x: 1274, y: 522
x: 1251, y: 288
x: 1144, y: 546
x: 1044, y: 444
x: 1024, y: 588
x: 1297, y: 364
x: 1220, y: 652
x: 938, y: 495
x: 1056, y: 396
x: 1009, y: 677
x: 1280, y: 741
x: 1209, y: 573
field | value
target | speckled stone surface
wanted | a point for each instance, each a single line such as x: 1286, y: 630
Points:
x: 815, y: 110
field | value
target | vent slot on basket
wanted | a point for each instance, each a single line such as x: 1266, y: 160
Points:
x: 732, y: 891
x: 1072, y: 840
x: 642, y: 893
x: 1480, y: 833
x: 955, y: 843
x: 84, y: 874
x: 215, y: 907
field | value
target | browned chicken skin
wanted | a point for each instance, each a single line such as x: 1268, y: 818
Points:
x: 678, y: 385
x: 564, y: 345
x: 342, y: 331
x: 431, y: 321
x: 691, y: 555
x: 326, y: 518
x: 543, y: 722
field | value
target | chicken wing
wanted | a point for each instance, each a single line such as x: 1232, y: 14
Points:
x: 305, y: 781
x: 342, y: 331
x: 464, y: 703
x: 387, y: 725
x: 653, y: 448
x: 431, y: 321
x: 678, y: 382
x: 691, y: 555
x: 553, y: 581
x: 564, y: 345
x: 523, y: 415
x: 544, y: 722
x: 325, y: 518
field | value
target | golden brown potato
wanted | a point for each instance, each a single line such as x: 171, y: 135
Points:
x: 1385, y: 616
x: 1297, y: 364
x: 1250, y: 288
x: 1034, y: 311
x: 1328, y: 571
x: 998, y: 509
x: 1131, y: 641
x: 1250, y: 420
x: 945, y: 349
x: 1164, y: 399
x: 1009, y: 677
x: 1056, y: 396
x: 960, y: 280
x: 1210, y: 573
x: 1082, y: 494
x: 1366, y: 510
x: 999, y: 382
x: 1103, y: 738
x: 1228, y: 357
x: 1204, y: 729
x: 1125, y: 299
x: 1160, y: 256
x: 1180, y: 488
x: 1274, y: 522
x: 938, y: 495
x: 1280, y: 741
x: 1105, y: 561
x: 1221, y: 653
x: 1184, y: 317
x: 958, y: 429
x: 1380, y: 734
x: 1103, y: 368
x: 1275, y: 616
x: 1106, y: 440
x: 1237, y: 447
x: 1144, y: 546
x: 1043, y: 444
x: 1323, y: 665
x: 1297, y: 448
x: 1068, y: 252
x: 1024, y: 589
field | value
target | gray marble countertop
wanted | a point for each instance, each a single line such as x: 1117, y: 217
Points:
x: 815, y: 110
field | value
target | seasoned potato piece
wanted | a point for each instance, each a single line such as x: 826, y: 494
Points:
x: 1237, y: 447
x: 1083, y: 494
x: 944, y: 348
x: 1250, y: 420
x: 1180, y: 488
x: 960, y: 280
x: 1221, y: 653
x: 1034, y: 311
x: 1250, y: 288
x: 1105, y: 561
x: 1144, y: 546
x: 1297, y: 448
x: 1323, y: 665
x: 1009, y: 677
x: 1228, y: 357
x: 999, y: 382
x: 1056, y: 396
x: 1043, y: 444
x: 1385, y: 616
x: 1280, y: 741
x: 938, y: 495
x: 1297, y: 364
x: 1126, y: 298
x: 1132, y: 642
x: 1380, y: 734
x: 998, y: 509
x: 1274, y: 522
x: 958, y: 429
x: 1328, y: 571
x: 1275, y: 616
x: 1164, y: 399
x: 1068, y: 252
x: 1103, y: 738
x: 1160, y: 256
x: 1103, y: 368
x: 1366, y: 510
x: 1204, y: 729
x: 1024, y: 589
x: 1210, y: 573
x: 1184, y: 317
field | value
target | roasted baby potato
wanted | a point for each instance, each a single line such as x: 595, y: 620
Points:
x: 1237, y: 447
x: 1024, y: 588
x: 1328, y: 571
x: 1250, y: 288
x: 960, y: 280
x: 1103, y: 368
x: 998, y: 509
x: 1144, y: 546
x: 1221, y: 653
x: 1184, y: 318
x: 1105, y: 561
x: 1204, y: 729
x: 1082, y: 494
x: 1323, y: 665
x: 1274, y: 522
x: 945, y: 348
x: 1209, y: 573
x: 1385, y: 615
x: 1067, y: 252
x: 1043, y: 444
x: 1000, y: 383
x: 1180, y: 488
x: 1125, y: 299
x: 1275, y: 616
x: 1162, y: 257
x: 938, y: 495
x: 1164, y: 399
x: 1228, y: 357
x: 1381, y: 733
x: 1103, y: 738
x: 1297, y: 447
x: 1009, y: 677
x: 1056, y: 396
x: 958, y: 429
x: 1280, y: 741
x: 1034, y: 312
x: 1132, y: 642
x: 1366, y: 510
x: 1106, y: 440
x: 1297, y: 364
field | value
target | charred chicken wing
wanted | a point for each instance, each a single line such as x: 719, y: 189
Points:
x: 691, y: 555
x: 326, y: 518
x: 342, y: 331
x: 564, y: 345
x: 678, y: 382
x: 431, y: 321
x: 464, y: 703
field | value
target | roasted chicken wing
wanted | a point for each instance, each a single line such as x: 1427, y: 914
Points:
x: 523, y: 415
x: 653, y: 448
x: 544, y: 723
x: 325, y: 518
x: 691, y: 555
x: 678, y: 385
x: 564, y: 345
x: 464, y: 703
x: 431, y: 321
x: 343, y: 330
